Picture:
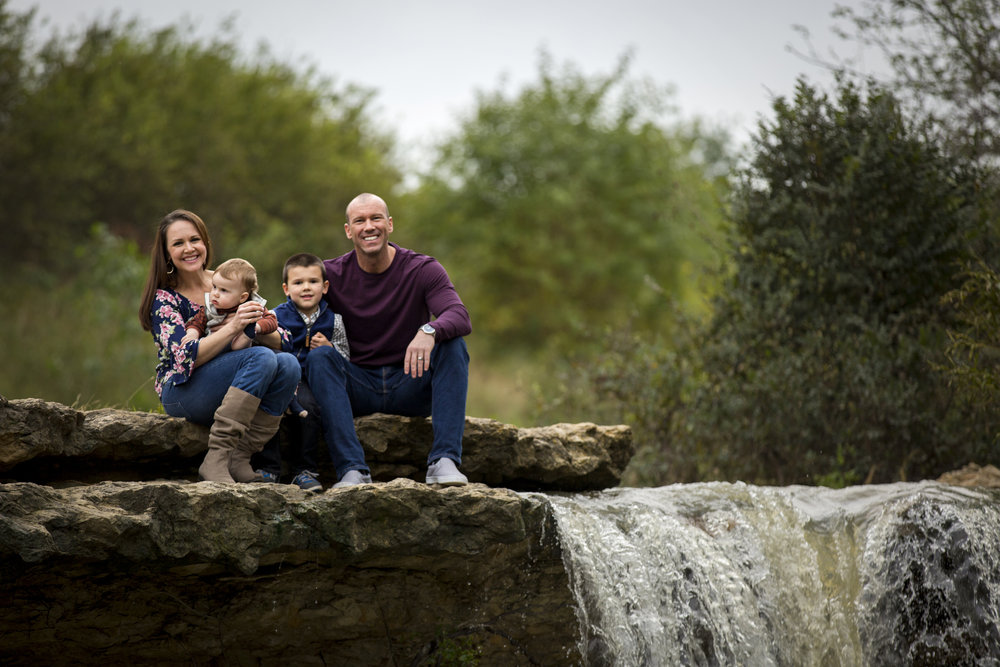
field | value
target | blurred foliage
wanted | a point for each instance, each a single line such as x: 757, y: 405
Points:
x: 116, y: 126
x: 571, y: 204
x: 833, y: 320
x: 974, y: 346
x: 821, y: 361
x: 120, y: 125
x: 945, y: 62
x: 641, y: 379
x: 75, y: 338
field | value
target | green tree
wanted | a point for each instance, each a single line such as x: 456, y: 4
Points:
x: 945, y: 59
x: 104, y: 132
x: 849, y: 229
x: 120, y: 125
x: 14, y: 58
x: 568, y: 205
x: 822, y: 360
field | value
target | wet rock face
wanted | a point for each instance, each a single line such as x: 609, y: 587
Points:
x: 932, y: 600
x: 49, y: 443
x: 190, y: 573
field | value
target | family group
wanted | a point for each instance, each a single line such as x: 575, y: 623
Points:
x: 378, y: 329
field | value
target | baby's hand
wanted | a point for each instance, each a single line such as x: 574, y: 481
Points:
x: 192, y: 334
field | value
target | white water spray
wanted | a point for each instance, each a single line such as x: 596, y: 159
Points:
x: 731, y: 574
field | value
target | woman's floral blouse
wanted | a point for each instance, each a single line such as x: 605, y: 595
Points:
x: 174, y: 361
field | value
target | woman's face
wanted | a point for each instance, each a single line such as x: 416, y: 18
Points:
x: 185, y: 246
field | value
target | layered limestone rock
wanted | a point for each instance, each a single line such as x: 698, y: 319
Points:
x: 973, y: 475
x: 51, y: 443
x: 175, y: 573
x: 111, y: 552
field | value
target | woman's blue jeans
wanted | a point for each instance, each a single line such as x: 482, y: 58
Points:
x: 345, y: 391
x: 270, y: 376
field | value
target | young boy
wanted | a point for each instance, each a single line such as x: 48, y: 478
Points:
x: 233, y: 282
x: 312, y: 324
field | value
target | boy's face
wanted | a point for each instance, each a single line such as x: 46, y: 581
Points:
x: 305, y: 287
x: 226, y: 293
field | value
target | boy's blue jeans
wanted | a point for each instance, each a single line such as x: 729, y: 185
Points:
x: 270, y: 376
x: 345, y: 391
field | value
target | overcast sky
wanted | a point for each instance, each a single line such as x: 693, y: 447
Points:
x: 724, y: 58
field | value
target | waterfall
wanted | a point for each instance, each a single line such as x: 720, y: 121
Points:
x: 733, y: 574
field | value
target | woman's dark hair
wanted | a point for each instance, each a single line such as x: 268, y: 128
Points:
x: 161, y: 270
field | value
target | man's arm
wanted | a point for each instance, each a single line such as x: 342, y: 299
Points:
x: 451, y: 320
x: 451, y: 316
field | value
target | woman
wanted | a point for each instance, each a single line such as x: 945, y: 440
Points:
x: 240, y: 393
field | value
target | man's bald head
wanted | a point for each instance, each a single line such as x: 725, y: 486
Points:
x: 366, y: 198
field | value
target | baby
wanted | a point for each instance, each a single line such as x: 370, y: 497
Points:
x: 233, y: 283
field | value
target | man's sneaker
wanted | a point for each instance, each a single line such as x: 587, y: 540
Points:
x: 443, y: 471
x: 307, y: 481
x: 267, y: 477
x: 353, y: 478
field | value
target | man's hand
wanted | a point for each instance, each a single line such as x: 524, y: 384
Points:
x: 418, y: 355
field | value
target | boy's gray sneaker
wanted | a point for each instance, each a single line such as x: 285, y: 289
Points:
x: 445, y: 472
x: 353, y: 478
x: 307, y: 481
x: 267, y: 477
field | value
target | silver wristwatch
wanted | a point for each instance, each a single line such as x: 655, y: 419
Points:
x: 428, y: 329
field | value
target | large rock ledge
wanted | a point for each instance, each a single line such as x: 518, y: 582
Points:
x: 50, y: 443
x: 175, y: 573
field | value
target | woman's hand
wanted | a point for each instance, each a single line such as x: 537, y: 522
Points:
x: 223, y: 336
x: 248, y: 312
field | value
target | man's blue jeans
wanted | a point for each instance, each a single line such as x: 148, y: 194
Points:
x: 270, y: 376
x: 345, y: 391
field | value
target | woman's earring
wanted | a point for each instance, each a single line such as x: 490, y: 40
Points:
x: 170, y: 268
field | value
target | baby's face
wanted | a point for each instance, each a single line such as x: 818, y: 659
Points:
x: 226, y: 293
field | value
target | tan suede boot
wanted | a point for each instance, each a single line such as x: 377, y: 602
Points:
x: 232, y: 420
x: 262, y: 428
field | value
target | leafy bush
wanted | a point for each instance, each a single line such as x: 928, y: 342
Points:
x: 823, y: 355
x: 822, y: 360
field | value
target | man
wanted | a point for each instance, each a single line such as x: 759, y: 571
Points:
x: 402, y: 361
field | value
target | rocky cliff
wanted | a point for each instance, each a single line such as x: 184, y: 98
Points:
x: 111, y: 553
x: 50, y: 443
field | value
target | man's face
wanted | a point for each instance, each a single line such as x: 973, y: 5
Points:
x: 305, y: 287
x: 368, y: 226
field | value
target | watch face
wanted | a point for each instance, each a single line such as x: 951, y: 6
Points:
x: 428, y: 329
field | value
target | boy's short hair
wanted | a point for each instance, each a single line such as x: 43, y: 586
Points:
x: 241, y: 271
x: 304, y: 260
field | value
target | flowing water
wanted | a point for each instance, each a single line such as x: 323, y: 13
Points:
x: 732, y: 574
